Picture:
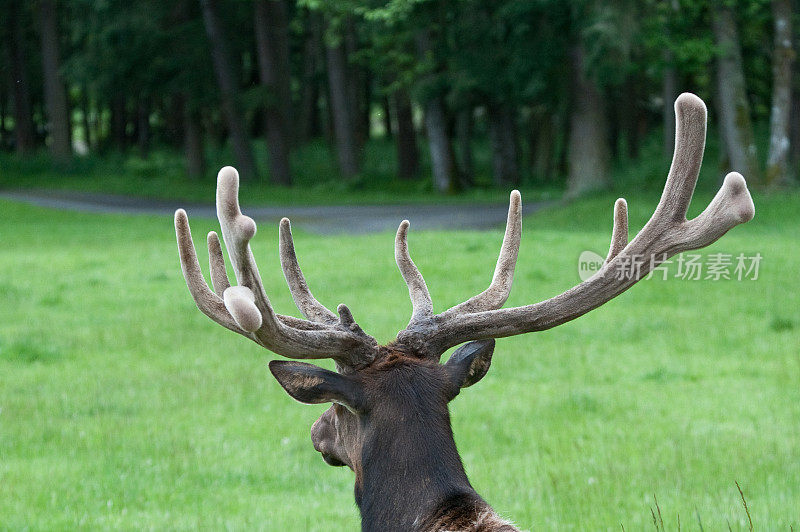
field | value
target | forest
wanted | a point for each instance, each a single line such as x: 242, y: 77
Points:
x: 468, y: 93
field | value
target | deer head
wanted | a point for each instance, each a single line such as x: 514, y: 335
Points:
x: 389, y: 419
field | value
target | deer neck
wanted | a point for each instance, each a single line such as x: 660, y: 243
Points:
x: 410, y: 474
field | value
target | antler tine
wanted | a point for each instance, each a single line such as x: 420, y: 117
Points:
x: 500, y: 287
x: 303, y: 298
x: 237, y: 231
x: 422, y: 306
x: 216, y: 263
x: 690, y: 140
x: 249, y: 305
x: 732, y: 205
x: 665, y: 234
x: 619, y: 234
x: 207, y: 301
x: 220, y: 282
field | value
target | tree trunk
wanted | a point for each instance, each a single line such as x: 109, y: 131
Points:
x: 310, y: 122
x: 406, y: 139
x: 340, y: 99
x: 615, y: 120
x: 55, y: 95
x: 443, y: 162
x: 543, y: 135
x: 226, y: 79
x: 669, y: 91
x: 143, y: 126
x: 85, y: 120
x: 466, y: 163
x: 386, y: 117
x: 778, y: 158
x: 309, y: 125
x: 3, y: 111
x: 272, y: 34
x: 358, y: 103
x: 20, y: 87
x: 634, y: 117
x: 174, y: 120
x: 365, y: 106
x: 193, y: 143
x: 503, y: 136
x: 442, y: 156
x: 794, y: 146
x: 119, y: 121
x: 734, y: 108
x: 588, y: 142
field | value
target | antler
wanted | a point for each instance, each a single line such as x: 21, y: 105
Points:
x: 667, y: 233
x: 246, y: 309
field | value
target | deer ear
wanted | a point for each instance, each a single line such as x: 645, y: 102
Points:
x: 470, y: 362
x: 310, y: 384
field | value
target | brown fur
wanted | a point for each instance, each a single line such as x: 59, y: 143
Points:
x: 464, y: 514
x: 400, y: 445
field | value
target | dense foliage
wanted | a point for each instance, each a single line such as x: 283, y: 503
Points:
x: 557, y: 90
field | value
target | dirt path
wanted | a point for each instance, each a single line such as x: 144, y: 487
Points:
x: 324, y: 219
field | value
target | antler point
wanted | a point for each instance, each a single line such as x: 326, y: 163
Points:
x: 228, y: 172
x: 737, y: 187
x: 402, y: 230
x: 240, y: 302
x: 688, y: 101
x: 735, y: 182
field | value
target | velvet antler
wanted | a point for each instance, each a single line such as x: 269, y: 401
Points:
x: 246, y: 309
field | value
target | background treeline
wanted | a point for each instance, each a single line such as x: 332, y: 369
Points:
x: 554, y: 91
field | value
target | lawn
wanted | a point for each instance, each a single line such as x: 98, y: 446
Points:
x: 122, y: 406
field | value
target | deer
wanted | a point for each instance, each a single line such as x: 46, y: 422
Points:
x: 389, y: 420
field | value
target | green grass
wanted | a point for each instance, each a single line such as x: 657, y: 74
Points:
x: 121, y: 406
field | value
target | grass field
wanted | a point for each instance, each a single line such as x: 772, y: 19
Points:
x: 121, y: 406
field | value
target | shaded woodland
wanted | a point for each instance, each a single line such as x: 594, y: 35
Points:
x: 556, y: 90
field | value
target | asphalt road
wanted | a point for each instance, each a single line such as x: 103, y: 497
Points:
x: 324, y: 219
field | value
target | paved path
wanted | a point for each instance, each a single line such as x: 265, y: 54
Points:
x: 324, y: 219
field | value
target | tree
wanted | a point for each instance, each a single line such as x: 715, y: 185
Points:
x: 406, y: 138
x: 20, y: 88
x: 443, y: 162
x: 669, y: 87
x: 464, y: 136
x: 341, y: 103
x: 588, y: 142
x: 794, y: 143
x: 229, y: 90
x: 54, y: 92
x: 272, y: 45
x: 734, y: 109
x: 503, y: 137
x: 782, y: 57
x: 311, y: 80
